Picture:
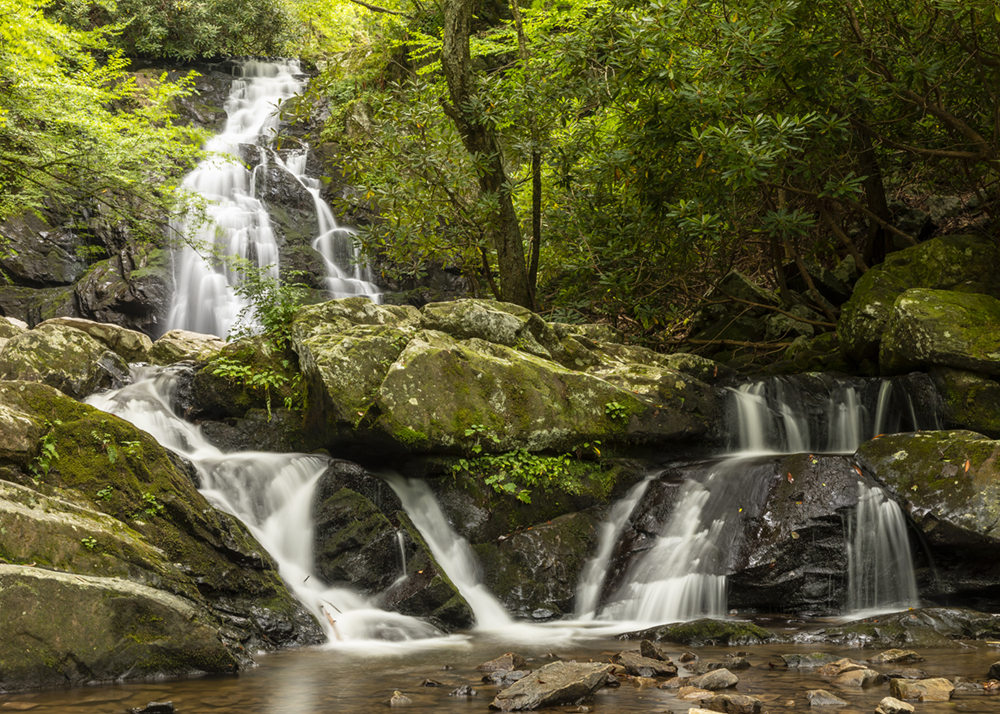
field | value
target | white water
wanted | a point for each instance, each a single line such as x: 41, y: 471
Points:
x: 238, y: 224
x: 452, y: 553
x: 592, y: 577
x: 880, y: 569
x: 272, y: 494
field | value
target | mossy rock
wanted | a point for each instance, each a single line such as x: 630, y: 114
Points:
x: 942, y: 328
x: 941, y: 476
x: 969, y: 399
x: 962, y: 263
x: 62, y: 357
x: 225, y: 387
x: 707, y: 632
x: 130, y: 345
x: 74, y: 630
x: 338, y: 315
x: 355, y: 544
x: 183, y: 345
x: 922, y: 628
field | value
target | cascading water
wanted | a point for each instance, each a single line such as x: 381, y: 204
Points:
x: 272, y: 494
x: 880, y: 570
x: 238, y: 224
x: 451, y: 552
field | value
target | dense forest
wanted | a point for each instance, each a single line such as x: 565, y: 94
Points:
x: 592, y: 159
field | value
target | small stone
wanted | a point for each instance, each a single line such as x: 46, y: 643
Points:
x: 823, y: 698
x: 924, y: 690
x: 506, y: 678
x: 716, y: 679
x: 810, y: 660
x: 736, y: 662
x: 732, y: 704
x: 508, y: 661
x: 673, y: 683
x: 398, y: 699
x: 895, y: 656
x: 969, y: 687
x: 431, y: 683
x: 859, y: 678
x: 464, y: 691
x: 155, y: 708
x: 837, y: 668
x: 688, y: 657
x: 639, y: 666
x: 613, y: 682
x: 891, y: 705
x: 643, y: 682
x: 994, y: 672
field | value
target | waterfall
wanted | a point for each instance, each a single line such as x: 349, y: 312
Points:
x: 880, y: 567
x: 237, y: 224
x: 401, y: 542
x: 451, y: 552
x: 272, y: 494
x: 592, y: 577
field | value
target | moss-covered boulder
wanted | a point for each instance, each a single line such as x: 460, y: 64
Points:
x: 62, y: 629
x: 962, y: 263
x: 922, y: 628
x: 337, y: 315
x: 9, y: 328
x: 62, y: 357
x: 102, y: 499
x: 949, y: 484
x: 180, y: 345
x: 534, y: 572
x: 130, y: 345
x: 942, y: 328
x: 969, y: 400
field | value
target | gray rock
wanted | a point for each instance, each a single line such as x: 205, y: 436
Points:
x: 639, y: 666
x: 505, y: 662
x: 732, y: 704
x: 994, y: 672
x: 716, y: 679
x: 554, y: 684
x: 891, y: 705
x: 809, y: 660
x: 823, y: 698
x: 896, y: 656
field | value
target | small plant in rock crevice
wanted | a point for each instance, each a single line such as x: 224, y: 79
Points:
x: 47, y: 454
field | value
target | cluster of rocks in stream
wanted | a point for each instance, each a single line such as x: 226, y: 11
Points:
x: 713, y: 685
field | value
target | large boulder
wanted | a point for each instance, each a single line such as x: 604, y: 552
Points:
x: 949, y: 484
x: 942, y: 328
x: 552, y: 685
x: 37, y: 255
x: 62, y: 357
x: 968, y: 400
x: 183, y: 345
x: 130, y: 345
x: 967, y: 264
x: 921, y: 628
x: 93, y: 497
x: 74, y: 630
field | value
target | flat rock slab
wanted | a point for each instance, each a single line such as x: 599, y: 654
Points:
x: 810, y: 660
x: 859, y: 679
x: 505, y: 662
x: 554, y: 684
x: 823, y: 698
x: 732, y: 704
x: 835, y: 669
x: 923, y: 690
x: 639, y: 666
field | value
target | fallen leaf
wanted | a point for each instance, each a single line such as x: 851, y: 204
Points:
x: 966, y: 466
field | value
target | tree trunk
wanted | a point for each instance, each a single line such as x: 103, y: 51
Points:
x: 480, y: 141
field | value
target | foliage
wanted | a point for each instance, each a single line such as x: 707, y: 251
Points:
x: 616, y: 411
x: 517, y: 473
x: 150, y: 506
x: 78, y: 128
x: 47, y: 454
x: 261, y: 378
x: 186, y: 30
x: 271, y: 303
x: 89, y: 543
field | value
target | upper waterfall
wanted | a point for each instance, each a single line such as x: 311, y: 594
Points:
x: 237, y: 223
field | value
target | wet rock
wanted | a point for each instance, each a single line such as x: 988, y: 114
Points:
x: 506, y: 677
x: 809, y: 660
x: 613, y: 682
x: 650, y: 651
x: 994, y: 672
x: 823, y: 698
x: 858, y: 678
x: 949, y: 484
x: 643, y: 682
x: 178, y: 345
x: 923, y: 628
x: 716, y: 679
x: 941, y: 328
x: 431, y: 683
x: 398, y: 699
x: 674, y: 683
x: 964, y: 263
x: 62, y: 357
x: 688, y: 657
x: 707, y: 631
x: 507, y: 661
x: 736, y: 663
x: 37, y: 254
x: 906, y: 673
x: 464, y: 691
x: 835, y: 669
x: 732, y: 704
x: 155, y: 708
x: 895, y: 656
x: 924, y: 690
x: 554, y: 684
x: 891, y: 705
x: 639, y: 666
x: 968, y: 399
x: 969, y: 687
